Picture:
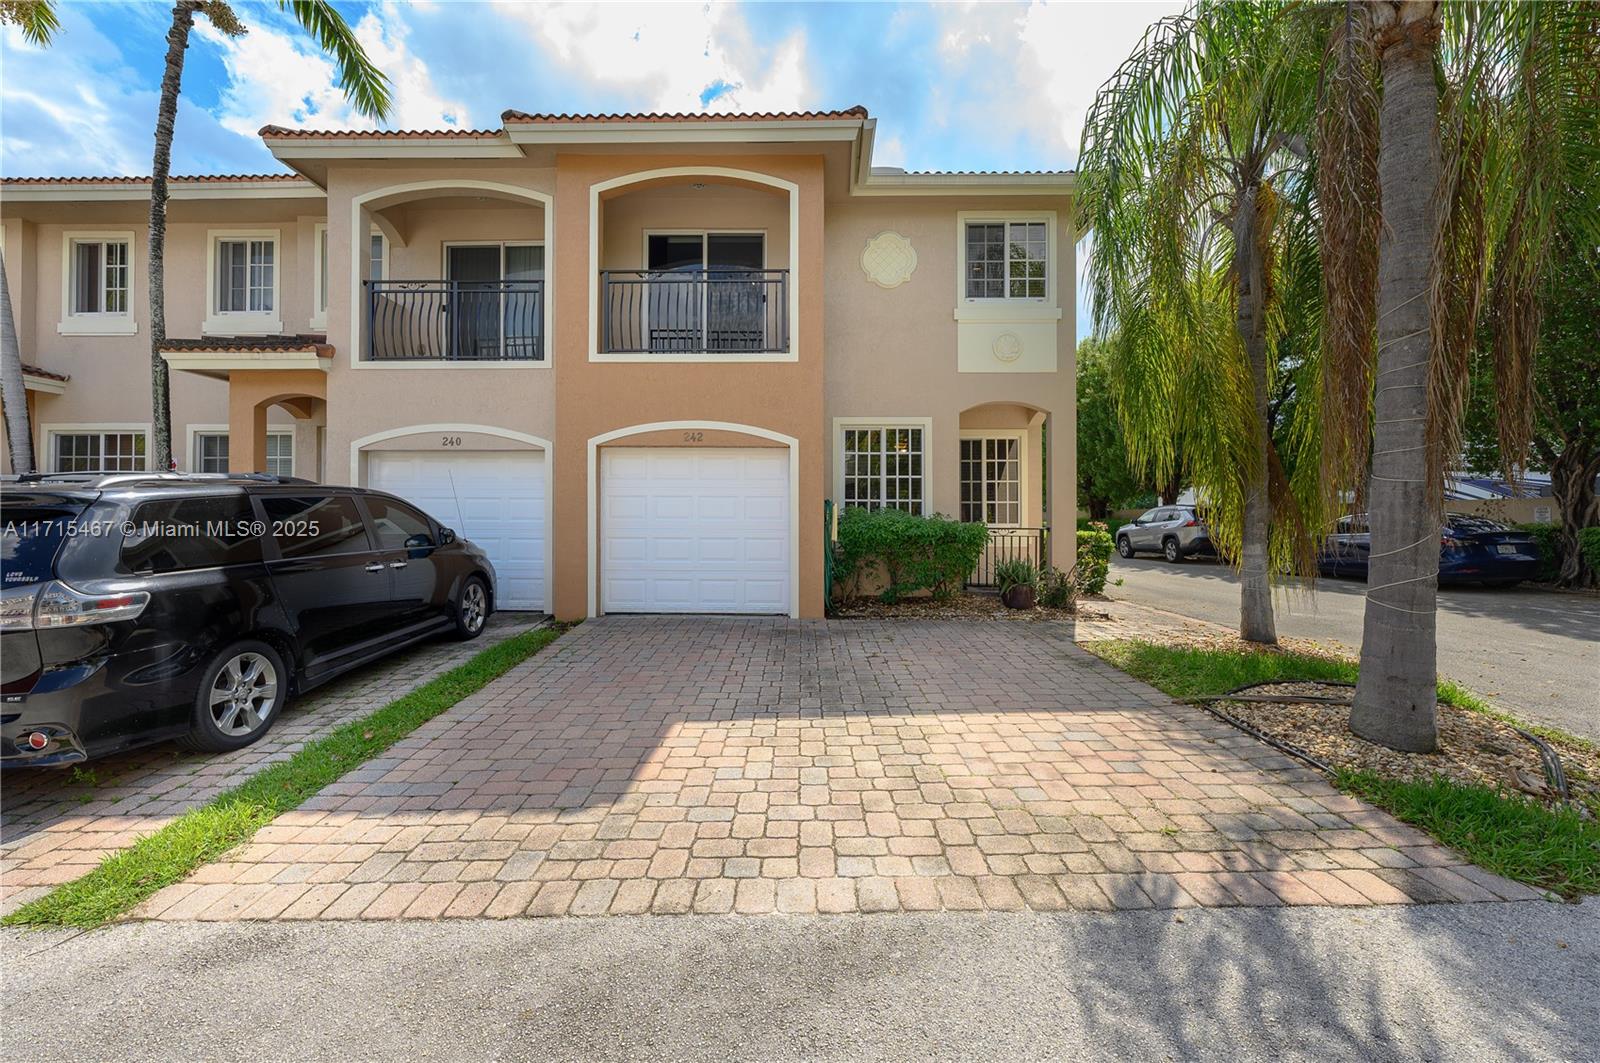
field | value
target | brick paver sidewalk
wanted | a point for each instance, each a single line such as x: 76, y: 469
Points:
x: 729, y: 765
x: 55, y: 825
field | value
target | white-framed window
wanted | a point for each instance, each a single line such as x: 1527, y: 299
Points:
x: 1007, y: 259
x: 247, y: 278
x: 378, y: 253
x: 883, y: 466
x: 243, y: 275
x: 211, y: 452
x: 92, y: 450
x: 97, y: 283
x: 991, y: 480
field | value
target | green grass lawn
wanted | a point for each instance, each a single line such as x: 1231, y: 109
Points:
x: 1506, y: 833
x: 203, y: 834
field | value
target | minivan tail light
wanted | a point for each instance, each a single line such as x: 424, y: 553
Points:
x: 16, y: 608
x: 59, y: 605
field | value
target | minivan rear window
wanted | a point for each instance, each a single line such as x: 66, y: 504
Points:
x: 178, y: 534
x: 31, y: 534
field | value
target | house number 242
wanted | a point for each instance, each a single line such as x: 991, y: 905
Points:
x: 694, y: 437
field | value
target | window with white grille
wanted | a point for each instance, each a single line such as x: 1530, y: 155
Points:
x: 1007, y: 259
x: 99, y: 452
x: 991, y: 481
x: 246, y: 276
x: 883, y: 467
x: 99, y: 277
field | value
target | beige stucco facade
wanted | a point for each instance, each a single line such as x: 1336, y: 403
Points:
x: 864, y: 317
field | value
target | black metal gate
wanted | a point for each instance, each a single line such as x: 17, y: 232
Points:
x: 1006, y: 544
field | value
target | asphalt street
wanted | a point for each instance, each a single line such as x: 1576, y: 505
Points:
x: 1536, y: 653
x: 1447, y: 982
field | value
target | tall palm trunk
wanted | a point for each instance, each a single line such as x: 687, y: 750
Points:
x: 1395, y: 701
x: 183, y: 14
x: 13, y: 392
x: 1256, y: 622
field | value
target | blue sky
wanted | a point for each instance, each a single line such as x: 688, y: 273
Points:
x: 953, y: 86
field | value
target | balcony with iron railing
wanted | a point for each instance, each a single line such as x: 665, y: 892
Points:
x: 721, y: 311
x: 454, y: 321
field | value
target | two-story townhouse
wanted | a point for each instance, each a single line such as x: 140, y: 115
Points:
x: 631, y: 355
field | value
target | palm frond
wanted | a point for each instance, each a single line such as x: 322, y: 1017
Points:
x: 362, y: 82
x: 35, y: 18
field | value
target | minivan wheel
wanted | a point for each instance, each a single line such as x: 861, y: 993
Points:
x: 239, y: 698
x: 1169, y: 550
x: 472, y: 608
x: 1124, y: 547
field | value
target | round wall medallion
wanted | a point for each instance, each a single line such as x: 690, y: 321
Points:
x: 888, y: 260
x: 1007, y: 347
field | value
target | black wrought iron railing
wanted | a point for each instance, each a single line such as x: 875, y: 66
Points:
x: 732, y: 311
x: 1008, y: 544
x: 455, y: 321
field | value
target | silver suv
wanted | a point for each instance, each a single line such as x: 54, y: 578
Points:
x: 1175, y: 531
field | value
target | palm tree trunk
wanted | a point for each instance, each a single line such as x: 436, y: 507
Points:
x: 1395, y: 700
x: 1256, y: 622
x: 13, y: 392
x: 183, y: 14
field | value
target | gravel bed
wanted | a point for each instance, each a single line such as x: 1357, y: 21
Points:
x: 963, y: 606
x: 1474, y: 747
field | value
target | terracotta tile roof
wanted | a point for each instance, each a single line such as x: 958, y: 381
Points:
x: 524, y: 118
x: 175, y: 179
x: 33, y: 370
x: 314, y: 343
x: 278, y: 131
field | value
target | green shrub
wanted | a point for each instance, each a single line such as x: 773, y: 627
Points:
x: 1016, y: 572
x: 1549, y: 555
x: 1094, y: 559
x: 1057, y: 589
x: 1589, y: 546
x: 906, y: 552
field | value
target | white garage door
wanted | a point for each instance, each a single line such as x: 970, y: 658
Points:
x: 495, y: 498
x: 694, y: 531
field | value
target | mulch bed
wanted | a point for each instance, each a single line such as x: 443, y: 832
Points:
x: 964, y: 606
x: 1474, y: 747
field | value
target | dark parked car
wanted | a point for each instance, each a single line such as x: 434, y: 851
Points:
x: 1176, y: 532
x: 142, y: 607
x: 1471, y: 550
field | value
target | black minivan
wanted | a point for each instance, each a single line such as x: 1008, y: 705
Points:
x: 137, y: 607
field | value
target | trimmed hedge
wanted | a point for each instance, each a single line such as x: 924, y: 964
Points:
x: 1589, y: 546
x: 1544, y: 535
x: 908, y: 553
x: 1094, y: 559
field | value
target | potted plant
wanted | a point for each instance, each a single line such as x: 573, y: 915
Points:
x: 1018, y: 579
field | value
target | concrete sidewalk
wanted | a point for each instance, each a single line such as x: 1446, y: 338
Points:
x: 1481, y: 982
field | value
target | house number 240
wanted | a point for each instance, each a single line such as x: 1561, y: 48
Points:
x: 449, y: 441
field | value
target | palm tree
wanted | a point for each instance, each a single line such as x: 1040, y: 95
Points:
x: 363, y: 84
x: 1193, y: 177
x: 1471, y: 181
x: 37, y: 21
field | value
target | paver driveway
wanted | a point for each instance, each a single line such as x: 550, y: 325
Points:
x: 57, y: 825
x: 716, y: 765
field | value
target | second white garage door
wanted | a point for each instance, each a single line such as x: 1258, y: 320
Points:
x: 686, y: 530
x: 493, y: 497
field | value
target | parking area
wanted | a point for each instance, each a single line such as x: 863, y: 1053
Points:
x: 706, y: 765
x: 56, y: 824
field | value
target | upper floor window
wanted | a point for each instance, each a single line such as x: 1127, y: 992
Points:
x: 378, y: 256
x: 1007, y: 259
x: 246, y: 276
x: 97, y: 284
